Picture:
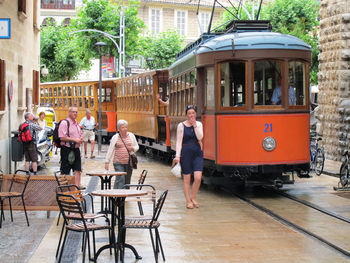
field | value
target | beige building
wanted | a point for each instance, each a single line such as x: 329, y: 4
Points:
x: 161, y: 15
x: 19, y: 65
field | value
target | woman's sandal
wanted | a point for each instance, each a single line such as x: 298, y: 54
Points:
x: 196, y: 205
x: 189, y: 206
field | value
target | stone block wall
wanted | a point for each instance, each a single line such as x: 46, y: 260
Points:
x: 334, y: 77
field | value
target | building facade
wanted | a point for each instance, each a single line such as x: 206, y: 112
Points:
x: 162, y: 15
x: 58, y: 11
x: 19, y: 67
x: 334, y: 77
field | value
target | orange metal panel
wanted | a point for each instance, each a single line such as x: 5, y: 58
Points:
x: 240, y: 139
x: 209, y: 136
x: 111, y: 121
x: 167, y: 123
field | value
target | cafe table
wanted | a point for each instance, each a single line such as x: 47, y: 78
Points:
x: 117, y: 198
x: 106, y: 183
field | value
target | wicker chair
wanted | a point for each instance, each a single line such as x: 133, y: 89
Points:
x: 76, y: 220
x: 150, y: 224
x: 18, y: 181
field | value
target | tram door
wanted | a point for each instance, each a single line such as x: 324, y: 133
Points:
x: 162, y: 110
x: 108, y: 107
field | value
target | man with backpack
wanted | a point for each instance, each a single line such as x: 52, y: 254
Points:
x: 70, y: 136
x: 27, y: 135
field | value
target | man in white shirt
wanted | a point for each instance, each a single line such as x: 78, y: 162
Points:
x: 87, y: 124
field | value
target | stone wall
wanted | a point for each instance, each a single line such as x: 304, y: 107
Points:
x: 334, y: 77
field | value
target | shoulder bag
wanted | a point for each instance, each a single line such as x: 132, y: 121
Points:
x: 132, y: 157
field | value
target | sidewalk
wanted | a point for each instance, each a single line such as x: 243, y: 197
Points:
x: 331, y: 168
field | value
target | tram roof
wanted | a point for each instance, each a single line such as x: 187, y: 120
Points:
x: 252, y: 40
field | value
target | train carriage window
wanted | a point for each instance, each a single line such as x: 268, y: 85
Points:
x: 59, y: 91
x: 69, y: 91
x: 209, y: 88
x: 65, y: 102
x: 233, y: 84
x: 92, y: 102
x: 91, y: 91
x: 297, y: 84
x: 42, y: 93
x: 64, y: 90
x: 267, y: 83
x: 80, y: 102
x: 79, y: 91
x: 50, y: 92
x: 193, y: 78
x: 55, y: 92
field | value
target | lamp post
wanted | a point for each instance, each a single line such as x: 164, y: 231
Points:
x: 99, y: 46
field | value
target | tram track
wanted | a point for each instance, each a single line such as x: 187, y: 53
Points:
x: 297, y: 227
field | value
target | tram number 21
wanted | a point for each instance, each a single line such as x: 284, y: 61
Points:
x: 268, y: 127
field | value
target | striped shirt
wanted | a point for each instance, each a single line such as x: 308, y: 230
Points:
x: 121, y: 154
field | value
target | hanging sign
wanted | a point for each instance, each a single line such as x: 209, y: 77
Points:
x: 5, y: 28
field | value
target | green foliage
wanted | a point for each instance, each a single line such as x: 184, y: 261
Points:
x: 60, y: 53
x: 162, y: 48
x: 66, y: 55
x: 294, y: 17
x: 104, y: 15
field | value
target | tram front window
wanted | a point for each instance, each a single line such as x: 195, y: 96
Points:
x: 267, y: 83
x: 233, y: 84
x: 297, y: 83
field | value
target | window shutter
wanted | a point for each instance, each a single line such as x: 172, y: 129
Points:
x: 36, y: 85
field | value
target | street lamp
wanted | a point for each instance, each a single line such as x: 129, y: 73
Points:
x: 150, y: 63
x: 44, y: 70
x: 99, y: 46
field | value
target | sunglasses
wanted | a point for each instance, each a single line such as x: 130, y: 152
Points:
x: 191, y: 107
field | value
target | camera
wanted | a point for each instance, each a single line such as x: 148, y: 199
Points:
x: 72, y: 144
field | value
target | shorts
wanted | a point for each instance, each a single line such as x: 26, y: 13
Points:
x: 88, y: 135
x: 30, y: 152
x: 65, y: 165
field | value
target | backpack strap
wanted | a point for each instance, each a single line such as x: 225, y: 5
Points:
x: 67, y: 126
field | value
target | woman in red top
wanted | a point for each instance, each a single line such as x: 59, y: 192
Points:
x: 119, y: 153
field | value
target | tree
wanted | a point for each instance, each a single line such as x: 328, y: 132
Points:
x: 105, y: 16
x: 60, y: 53
x: 162, y: 48
x: 295, y: 17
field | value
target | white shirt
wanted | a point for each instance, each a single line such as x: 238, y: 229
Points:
x: 88, y: 124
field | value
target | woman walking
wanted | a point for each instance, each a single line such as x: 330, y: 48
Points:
x: 189, y: 154
x: 122, y: 144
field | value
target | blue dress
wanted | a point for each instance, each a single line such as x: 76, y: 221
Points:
x: 191, y: 153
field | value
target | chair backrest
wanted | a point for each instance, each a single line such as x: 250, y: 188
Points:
x: 159, y: 207
x: 72, y: 190
x: 61, y: 178
x: 70, y: 207
x: 142, y: 179
x: 20, y: 180
x: 150, y: 193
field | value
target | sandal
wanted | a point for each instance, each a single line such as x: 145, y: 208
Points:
x: 189, y: 206
x: 196, y: 205
x: 92, y: 156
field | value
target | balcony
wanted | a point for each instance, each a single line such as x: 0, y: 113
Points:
x: 58, y: 4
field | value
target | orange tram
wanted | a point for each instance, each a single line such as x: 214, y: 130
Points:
x: 251, y: 88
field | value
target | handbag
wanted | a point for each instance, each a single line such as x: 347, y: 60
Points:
x: 132, y: 157
x: 176, y: 170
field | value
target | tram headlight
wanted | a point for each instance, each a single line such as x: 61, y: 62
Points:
x: 269, y: 144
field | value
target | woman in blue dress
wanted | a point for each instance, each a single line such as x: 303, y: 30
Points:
x: 189, y: 154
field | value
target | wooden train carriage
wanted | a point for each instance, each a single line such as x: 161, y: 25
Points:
x: 84, y: 95
x: 234, y: 79
x: 137, y: 103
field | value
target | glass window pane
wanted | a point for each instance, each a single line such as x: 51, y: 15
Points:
x: 267, y: 83
x: 297, y: 84
x: 232, y: 84
x: 209, y: 88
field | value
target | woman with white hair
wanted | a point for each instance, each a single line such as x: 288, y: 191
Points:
x: 122, y: 144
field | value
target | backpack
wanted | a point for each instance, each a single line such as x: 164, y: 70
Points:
x: 24, y: 134
x: 56, y: 138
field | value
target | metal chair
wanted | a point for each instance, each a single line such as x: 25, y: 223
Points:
x: 142, y: 177
x: 76, y: 220
x: 20, y: 181
x: 76, y: 192
x: 151, y: 195
x: 150, y: 224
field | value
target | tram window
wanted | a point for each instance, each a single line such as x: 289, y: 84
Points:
x: 188, y: 80
x: 233, y: 84
x: 297, y: 84
x: 42, y: 92
x: 56, y: 102
x: 46, y: 92
x: 92, y: 102
x: 86, y: 90
x: 74, y: 91
x: 80, y: 102
x: 209, y: 88
x: 70, y: 102
x: 108, y: 94
x: 86, y: 100
x: 55, y: 92
x: 42, y: 101
x: 65, y: 103
x: 267, y: 83
x: 75, y: 102
x: 91, y: 91
x: 50, y: 92
x: 193, y: 78
x: 50, y: 102
x: 69, y: 91
x: 64, y: 90
x: 60, y: 102
x: 59, y: 91
x: 79, y: 91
